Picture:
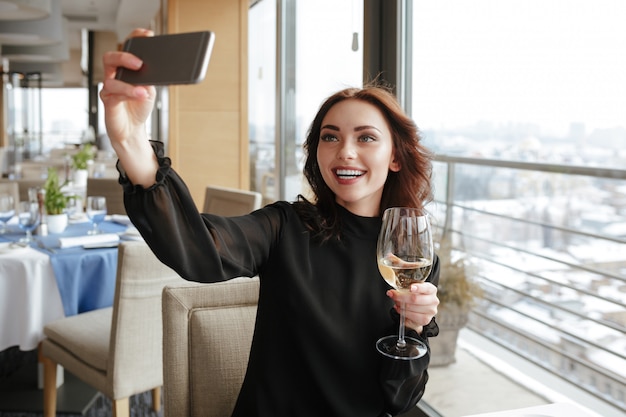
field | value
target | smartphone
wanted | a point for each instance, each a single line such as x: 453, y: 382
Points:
x: 180, y: 58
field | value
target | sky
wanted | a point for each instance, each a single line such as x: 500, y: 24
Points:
x: 550, y: 62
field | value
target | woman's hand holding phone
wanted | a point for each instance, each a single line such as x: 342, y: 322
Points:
x: 126, y: 109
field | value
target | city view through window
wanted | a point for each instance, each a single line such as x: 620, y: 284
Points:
x: 527, y: 101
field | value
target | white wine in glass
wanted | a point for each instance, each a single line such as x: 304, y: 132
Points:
x: 405, y: 255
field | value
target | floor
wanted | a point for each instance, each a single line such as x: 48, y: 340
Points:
x: 487, y: 379
x: 469, y: 386
x: 21, y: 397
x: 478, y: 382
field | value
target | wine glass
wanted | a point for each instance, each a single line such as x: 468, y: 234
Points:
x: 7, y: 211
x: 74, y: 207
x: 96, y: 212
x: 28, y: 219
x: 405, y: 255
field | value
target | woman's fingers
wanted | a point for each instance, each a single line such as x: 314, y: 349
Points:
x: 420, y: 303
x: 111, y: 60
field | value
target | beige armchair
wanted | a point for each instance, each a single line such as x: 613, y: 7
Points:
x: 117, y: 350
x: 230, y: 201
x: 207, y: 333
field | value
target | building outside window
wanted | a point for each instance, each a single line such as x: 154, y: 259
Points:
x: 524, y: 104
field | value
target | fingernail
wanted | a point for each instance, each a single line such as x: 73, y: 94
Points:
x: 141, y: 92
x: 136, y: 63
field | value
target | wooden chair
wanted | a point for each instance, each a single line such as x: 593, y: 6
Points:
x: 117, y: 350
x: 111, y: 189
x: 230, y: 201
x: 207, y: 334
x: 23, y: 186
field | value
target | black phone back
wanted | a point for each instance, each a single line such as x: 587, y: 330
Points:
x: 180, y: 58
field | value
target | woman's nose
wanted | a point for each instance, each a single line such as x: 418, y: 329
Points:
x: 346, y: 151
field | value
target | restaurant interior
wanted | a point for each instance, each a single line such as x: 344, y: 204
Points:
x: 538, y: 331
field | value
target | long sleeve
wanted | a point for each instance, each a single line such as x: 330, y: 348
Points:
x: 199, y: 247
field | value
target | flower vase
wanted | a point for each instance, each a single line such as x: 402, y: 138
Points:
x: 80, y: 177
x: 56, y: 223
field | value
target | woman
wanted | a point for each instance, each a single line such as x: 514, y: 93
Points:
x: 322, y: 302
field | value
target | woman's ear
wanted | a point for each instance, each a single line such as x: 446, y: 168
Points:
x: 394, y: 165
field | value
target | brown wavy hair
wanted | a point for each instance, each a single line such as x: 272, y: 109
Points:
x: 409, y: 187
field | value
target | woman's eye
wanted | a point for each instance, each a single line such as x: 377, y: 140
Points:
x: 329, y: 138
x: 367, y: 138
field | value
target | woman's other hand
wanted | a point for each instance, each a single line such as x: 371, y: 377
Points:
x: 421, y: 304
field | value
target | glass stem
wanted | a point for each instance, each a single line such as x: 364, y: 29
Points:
x: 401, y: 342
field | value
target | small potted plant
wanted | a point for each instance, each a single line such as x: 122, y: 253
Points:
x: 80, y: 163
x: 457, y: 293
x: 55, y: 203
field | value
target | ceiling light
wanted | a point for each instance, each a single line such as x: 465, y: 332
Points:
x: 24, y: 9
x: 38, y: 53
x: 44, y: 31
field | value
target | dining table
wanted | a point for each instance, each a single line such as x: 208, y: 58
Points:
x: 56, y: 276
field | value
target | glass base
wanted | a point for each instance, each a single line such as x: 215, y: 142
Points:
x: 413, y: 349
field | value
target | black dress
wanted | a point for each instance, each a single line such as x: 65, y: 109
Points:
x: 321, y: 306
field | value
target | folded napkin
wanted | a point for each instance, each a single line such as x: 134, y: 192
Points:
x: 68, y: 242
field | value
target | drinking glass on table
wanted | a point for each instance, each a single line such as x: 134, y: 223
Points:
x: 405, y: 255
x: 74, y: 207
x: 96, y: 210
x: 7, y: 211
x: 28, y: 219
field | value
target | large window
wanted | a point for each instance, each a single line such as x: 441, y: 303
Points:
x: 316, y: 50
x: 524, y: 103
x: 65, y: 117
x: 522, y: 80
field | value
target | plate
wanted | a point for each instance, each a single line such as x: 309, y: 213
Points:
x: 11, y: 247
x: 131, y: 234
x: 121, y: 219
x: 78, y: 218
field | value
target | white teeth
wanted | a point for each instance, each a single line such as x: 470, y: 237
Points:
x: 349, y: 173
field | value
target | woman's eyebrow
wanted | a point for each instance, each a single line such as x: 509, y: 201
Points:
x: 331, y: 127
x: 359, y: 128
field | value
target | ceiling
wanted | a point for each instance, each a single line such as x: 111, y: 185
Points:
x: 28, y: 28
x: 119, y: 16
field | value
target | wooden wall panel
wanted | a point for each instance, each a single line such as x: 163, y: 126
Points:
x: 208, y: 122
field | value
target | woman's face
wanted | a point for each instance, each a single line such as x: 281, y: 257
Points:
x: 355, y: 154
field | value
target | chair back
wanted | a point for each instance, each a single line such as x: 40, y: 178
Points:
x: 111, y: 189
x: 230, y: 201
x: 135, y: 348
x: 207, y: 334
x: 23, y: 185
x: 11, y: 188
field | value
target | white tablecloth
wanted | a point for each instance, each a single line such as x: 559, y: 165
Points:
x: 550, y: 410
x: 29, y: 297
